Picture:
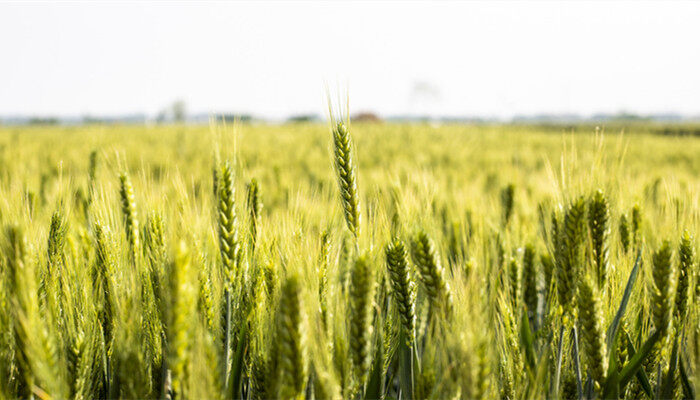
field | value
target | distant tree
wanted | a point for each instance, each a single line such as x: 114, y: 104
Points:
x: 303, y: 118
x: 90, y: 120
x: 228, y: 118
x: 366, y: 116
x: 43, y: 121
x: 179, y: 111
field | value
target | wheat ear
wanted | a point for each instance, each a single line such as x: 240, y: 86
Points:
x: 347, y: 180
x: 403, y: 288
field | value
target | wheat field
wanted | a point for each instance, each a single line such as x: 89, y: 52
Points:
x: 348, y: 260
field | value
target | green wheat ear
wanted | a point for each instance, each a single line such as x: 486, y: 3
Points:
x: 205, y: 301
x: 662, y: 290
x: 255, y: 205
x: 57, y: 241
x: 228, y: 227
x: 592, y: 330
x: 35, y: 349
x: 291, y: 373
x: 19, y: 295
x: 154, y: 242
x: 230, y: 249
x: 530, y: 278
x: 569, y: 388
x: 515, y: 273
x: 548, y: 268
x: 570, y: 253
x: 92, y: 166
x: 556, y: 230
x: 403, y: 289
x: 500, y: 250
x: 599, y: 225
x: 431, y: 272
x: 323, y: 263
x: 182, y: 308
x: 92, y: 175
x: 347, y: 181
x: 625, y: 233
x: 270, y: 278
x: 325, y: 385
x: 506, y: 377
x: 215, y: 177
x: 361, y: 299
x: 131, y: 223
x: 483, y: 373
x: 102, y: 280
x: 507, y: 203
x: 55, y: 260
x: 155, y: 249
x: 259, y: 371
x: 636, y: 224
x: 686, y: 262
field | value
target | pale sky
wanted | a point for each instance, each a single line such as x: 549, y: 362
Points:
x: 274, y: 59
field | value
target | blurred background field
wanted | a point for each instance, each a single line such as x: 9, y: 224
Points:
x: 460, y: 165
x: 479, y: 194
